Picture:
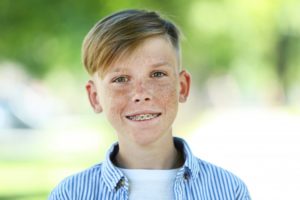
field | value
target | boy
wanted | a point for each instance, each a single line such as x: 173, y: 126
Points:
x: 133, y: 57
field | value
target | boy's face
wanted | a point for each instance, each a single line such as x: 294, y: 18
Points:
x: 140, y: 92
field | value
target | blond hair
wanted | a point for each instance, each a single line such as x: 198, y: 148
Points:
x: 122, y: 32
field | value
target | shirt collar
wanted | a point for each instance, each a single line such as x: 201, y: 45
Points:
x: 191, y: 166
x: 114, y: 177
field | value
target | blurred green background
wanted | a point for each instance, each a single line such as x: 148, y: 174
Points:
x: 240, y: 54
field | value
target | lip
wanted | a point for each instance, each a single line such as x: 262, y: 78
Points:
x: 143, y: 113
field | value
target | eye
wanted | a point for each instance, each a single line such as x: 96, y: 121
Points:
x: 158, y: 74
x: 120, y: 79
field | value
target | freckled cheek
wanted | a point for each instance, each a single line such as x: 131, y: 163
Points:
x: 115, y: 101
x: 167, y: 95
x: 165, y: 90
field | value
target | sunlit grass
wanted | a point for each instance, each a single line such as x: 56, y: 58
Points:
x: 32, y: 178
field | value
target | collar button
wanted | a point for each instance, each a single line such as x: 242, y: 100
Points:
x: 121, y: 183
x: 186, y: 176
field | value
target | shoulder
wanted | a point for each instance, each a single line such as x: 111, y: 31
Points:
x: 217, y: 173
x: 84, y: 180
x: 222, y: 181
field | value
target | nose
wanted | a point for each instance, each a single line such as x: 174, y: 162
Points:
x: 137, y: 99
x: 141, y: 93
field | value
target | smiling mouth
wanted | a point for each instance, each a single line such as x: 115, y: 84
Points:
x: 143, y: 117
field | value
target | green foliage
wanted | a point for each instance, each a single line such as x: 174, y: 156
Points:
x: 219, y: 35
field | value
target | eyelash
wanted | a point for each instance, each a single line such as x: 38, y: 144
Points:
x: 120, y: 79
x: 161, y: 74
x: 123, y: 79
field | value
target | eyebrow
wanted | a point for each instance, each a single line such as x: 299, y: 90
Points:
x: 155, y: 65
x: 163, y: 63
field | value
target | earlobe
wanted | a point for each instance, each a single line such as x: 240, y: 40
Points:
x: 93, y: 96
x: 184, y: 87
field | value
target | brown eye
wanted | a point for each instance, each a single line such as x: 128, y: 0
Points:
x: 158, y: 74
x: 121, y: 79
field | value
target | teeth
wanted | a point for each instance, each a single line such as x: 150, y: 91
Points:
x: 143, y: 117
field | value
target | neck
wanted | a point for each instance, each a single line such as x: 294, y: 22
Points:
x: 161, y: 155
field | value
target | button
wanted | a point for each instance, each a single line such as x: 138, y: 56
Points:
x: 121, y: 183
x: 186, y: 175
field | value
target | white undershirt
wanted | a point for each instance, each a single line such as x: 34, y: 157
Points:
x: 150, y: 184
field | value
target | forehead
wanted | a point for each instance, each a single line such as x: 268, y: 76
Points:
x: 152, y: 52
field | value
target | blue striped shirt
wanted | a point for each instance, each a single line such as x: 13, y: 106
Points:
x: 196, y: 179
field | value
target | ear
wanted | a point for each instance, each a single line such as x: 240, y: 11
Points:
x: 93, y: 96
x: 184, y: 87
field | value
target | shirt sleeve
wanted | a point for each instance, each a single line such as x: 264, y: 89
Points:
x: 60, y: 192
x: 242, y: 192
